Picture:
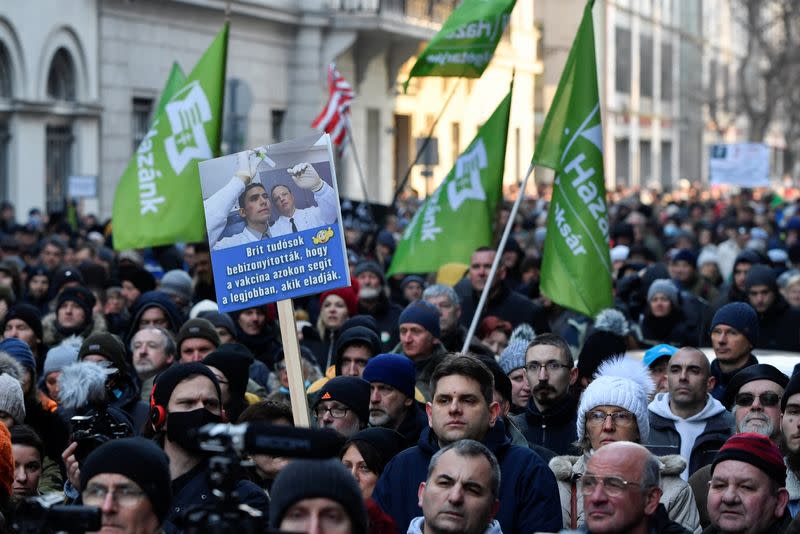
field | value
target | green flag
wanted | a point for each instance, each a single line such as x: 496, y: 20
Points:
x: 175, y: 81
x: 466, y: 42
x: 457, y: 218
x: 576, y: 267
x: 158, y: 199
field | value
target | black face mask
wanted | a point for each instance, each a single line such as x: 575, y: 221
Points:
x: 182, y: 427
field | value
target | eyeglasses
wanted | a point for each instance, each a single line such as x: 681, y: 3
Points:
x: 95, y: 495
x: 612, y: 486
x: 336, y: 413
x: 551, y: 366
x: 598, y: 417
x: 768, y: 399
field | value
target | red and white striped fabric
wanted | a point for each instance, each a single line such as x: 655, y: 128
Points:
x: 332, y: 119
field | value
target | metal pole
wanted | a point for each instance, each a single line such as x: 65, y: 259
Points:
x: 497, y: 258
x: 349, y: 127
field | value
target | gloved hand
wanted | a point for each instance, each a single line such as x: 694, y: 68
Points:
x: 305, y: 176
x: 243, y: 168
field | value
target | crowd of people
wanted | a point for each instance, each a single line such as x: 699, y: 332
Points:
x: 653, y: 416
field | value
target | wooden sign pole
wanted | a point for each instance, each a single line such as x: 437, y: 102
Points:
x: 294, y: 369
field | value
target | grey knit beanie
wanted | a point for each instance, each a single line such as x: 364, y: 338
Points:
x: 513, y: 357
x: 11, y: 399
x: 665, y: 287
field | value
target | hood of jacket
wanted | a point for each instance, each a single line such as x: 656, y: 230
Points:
x: 660, y: 406
x: 157, y: 299
x: 418, y: 522
x: 568, y: 468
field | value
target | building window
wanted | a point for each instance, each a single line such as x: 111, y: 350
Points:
x: 61, y: 78
x: 666, y: 72
x: 277, y: 124
x: 455, y: 140
x: 623, y: 74
x: 645, y: 163
x: 373, y: 146
x: 59, y: 141
x: 237, y: 106
x: 140, y: 119
x: 666, y: 166
x: 623, y: 165
x: 5, y: 72
x: 4, y: 138
x: 646, y: 66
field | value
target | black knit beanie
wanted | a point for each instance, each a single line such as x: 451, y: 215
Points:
x: 234, y: 364
x: 166, y: 381
x: 314, y: 479
x: 27, y: 314
x: 351, y: 391
x: 107, y: 345
x: 138, y: 459
x: 80, y: 296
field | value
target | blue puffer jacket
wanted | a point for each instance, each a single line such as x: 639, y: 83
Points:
x: 529, y: 499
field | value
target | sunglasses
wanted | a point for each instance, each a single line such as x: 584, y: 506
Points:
x: 768, y: 399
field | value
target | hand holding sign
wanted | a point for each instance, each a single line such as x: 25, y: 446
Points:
x: 305, y: 176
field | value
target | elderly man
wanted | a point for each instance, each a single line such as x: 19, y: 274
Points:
x: 463, y: 407
x: 753, y: 396
x: 621, y: 492
x: 343, y: 405
x: 747, y: 490
x: 319, y: 497
x: 734, y: 333
x: 153, y: 351
x: 391, y: 401
x: 460, y: 493
x: 549, y: 419
x: 446, y: 300
x: 614, y: 408
x: 687, y: 420
x: 129, y: 480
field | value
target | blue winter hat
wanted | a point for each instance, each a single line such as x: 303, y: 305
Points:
x: 393, y: 369
x: 686, y: 255
x: 740, y: 316
x: 658, y: 352
x: 424, y: 314
x: 20, y: 351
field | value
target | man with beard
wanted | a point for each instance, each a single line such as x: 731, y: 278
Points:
x: 185, y: 398
x: 373, y: 301
x: 391, y: 401
x: 790, y: 441
x: 754, y: 395
x: 550, y: 418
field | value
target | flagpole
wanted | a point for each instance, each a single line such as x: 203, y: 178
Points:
x: 357, y: 160
x: 425, y: 144
x: 497, y: 259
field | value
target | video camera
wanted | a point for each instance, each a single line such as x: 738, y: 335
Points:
x: 46, y: 514
x: 95, y: 428
x: 229, y: 444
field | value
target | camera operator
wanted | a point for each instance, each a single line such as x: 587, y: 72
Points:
x: 128, y: 479
x: 185, y: 398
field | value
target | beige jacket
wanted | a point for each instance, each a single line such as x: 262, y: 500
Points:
x: 677, y: 496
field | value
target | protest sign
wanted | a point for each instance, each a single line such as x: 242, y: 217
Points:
x: 274, y: 223
x: 741, y: 164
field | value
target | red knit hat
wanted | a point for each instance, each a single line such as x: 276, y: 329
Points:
x: 6, y: 461
x: 348, y: 294
x: 756, y: 450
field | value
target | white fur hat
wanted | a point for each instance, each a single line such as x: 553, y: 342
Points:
x: 623, y: 382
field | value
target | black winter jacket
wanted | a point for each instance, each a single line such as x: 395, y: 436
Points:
x: 554, y: 430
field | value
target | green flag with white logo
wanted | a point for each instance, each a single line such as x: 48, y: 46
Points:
x: 158, y: 199
x: 576, y: 267
x: 467, y: 41
x: 176, y: 80
x: 457, y: 218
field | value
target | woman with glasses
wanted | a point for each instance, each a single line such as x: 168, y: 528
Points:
x: 612, y: 409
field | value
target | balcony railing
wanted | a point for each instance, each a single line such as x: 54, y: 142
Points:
x: 435, y: 11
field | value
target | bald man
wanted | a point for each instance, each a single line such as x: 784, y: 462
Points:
x: 687, y: 420
x: 621, y: 492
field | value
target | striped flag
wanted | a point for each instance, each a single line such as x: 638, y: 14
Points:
x: 332, y: 120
